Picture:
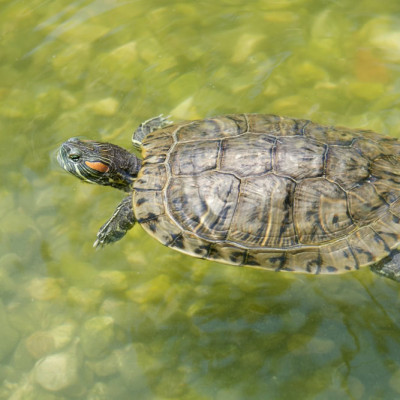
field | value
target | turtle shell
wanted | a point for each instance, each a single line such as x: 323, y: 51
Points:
x: 271, y: 192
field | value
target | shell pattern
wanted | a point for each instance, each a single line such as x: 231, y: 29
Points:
x: 271, y: 192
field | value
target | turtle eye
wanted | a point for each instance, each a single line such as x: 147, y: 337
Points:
x: 74, y: 156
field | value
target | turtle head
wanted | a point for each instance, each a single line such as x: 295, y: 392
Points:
x: 102, y: 163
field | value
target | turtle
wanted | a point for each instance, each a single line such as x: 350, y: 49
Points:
x: 256, y: 190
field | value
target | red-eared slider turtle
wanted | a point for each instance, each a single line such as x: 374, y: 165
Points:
x: 258, y: 190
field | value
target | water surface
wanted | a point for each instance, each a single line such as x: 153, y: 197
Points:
x: 137, y: 320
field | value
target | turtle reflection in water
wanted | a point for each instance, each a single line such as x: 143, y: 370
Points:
x: 257, y: 190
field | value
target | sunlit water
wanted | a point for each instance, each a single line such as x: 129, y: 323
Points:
x: 137, y: 320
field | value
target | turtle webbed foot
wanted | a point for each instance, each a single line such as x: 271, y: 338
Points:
x: 147, y: 127
x: 389, y: 268
x: 116, y: 227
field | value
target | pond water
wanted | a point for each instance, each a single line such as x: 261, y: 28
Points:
x: 136, y: 319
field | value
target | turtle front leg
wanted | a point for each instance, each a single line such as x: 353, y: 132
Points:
x: 389, y: 268
x: 116, y: 227
x: 147, y: 127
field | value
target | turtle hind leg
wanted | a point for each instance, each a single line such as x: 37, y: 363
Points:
x: 389, y: 267
x: 116, y: 227
x: 147, y: 127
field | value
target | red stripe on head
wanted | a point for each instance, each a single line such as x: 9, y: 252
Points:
x: 97, y: 166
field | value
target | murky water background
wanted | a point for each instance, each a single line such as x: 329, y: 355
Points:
x: 137, y: 320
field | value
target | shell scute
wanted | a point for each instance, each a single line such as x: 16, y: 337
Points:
x: 266, y: 201
x: 204, y: 204
x: 320, y: 211
x: 299, y: 157
x: 184, y: 161
x: 345, y: 166
x: 247, y: 155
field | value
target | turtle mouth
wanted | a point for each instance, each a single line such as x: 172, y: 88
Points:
x: 62, y: 156
x: 69, y: 157
x: 68, y: 154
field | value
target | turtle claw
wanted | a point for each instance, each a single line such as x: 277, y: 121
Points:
x: 116, y: 227
x: 165, y: 120
x: 389, y: 267
x: 158, y: 122
x: 147, y: 127
x: 98, y: 244
x: 104, y: 237
x: 110, y: 232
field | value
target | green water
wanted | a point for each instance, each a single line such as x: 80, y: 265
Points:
x: 137, y: 320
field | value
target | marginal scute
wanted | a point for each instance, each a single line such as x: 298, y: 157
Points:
x: 368, y: 148
x: 387, y: 166
x: 388, y: 228
x: 386, y: 189
x: 226, y: 253
x: 151, y: 177
x: 386, y: 140
x: 166, y: 231
x: 149, y: 201
x: 275, y: 260
x: 337, y: 256
x: 159, y: 145
x: 213, y: 128
x: 156, y: 138
x: 191, y: 244
x: 331, y: 135
x: 304, y: 259
x: 392, y: 146
x: 368, y: 247
x: 385, y: 173
x: 276, y: 125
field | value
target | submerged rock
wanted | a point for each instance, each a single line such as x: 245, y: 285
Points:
x: 84, y: 299
x: 96, y: 336
x: 112, y: 281
x: 63, y: 334
x: 58, y: 371
x: 105, y: 107
x: 105, y: 367
x: 151, y: 291
x: 9, y: 337
x: 44, y: 289
x: 129, y: 367
x: 117, y: 68
x: 71, y: 63
x: 39, y: 344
